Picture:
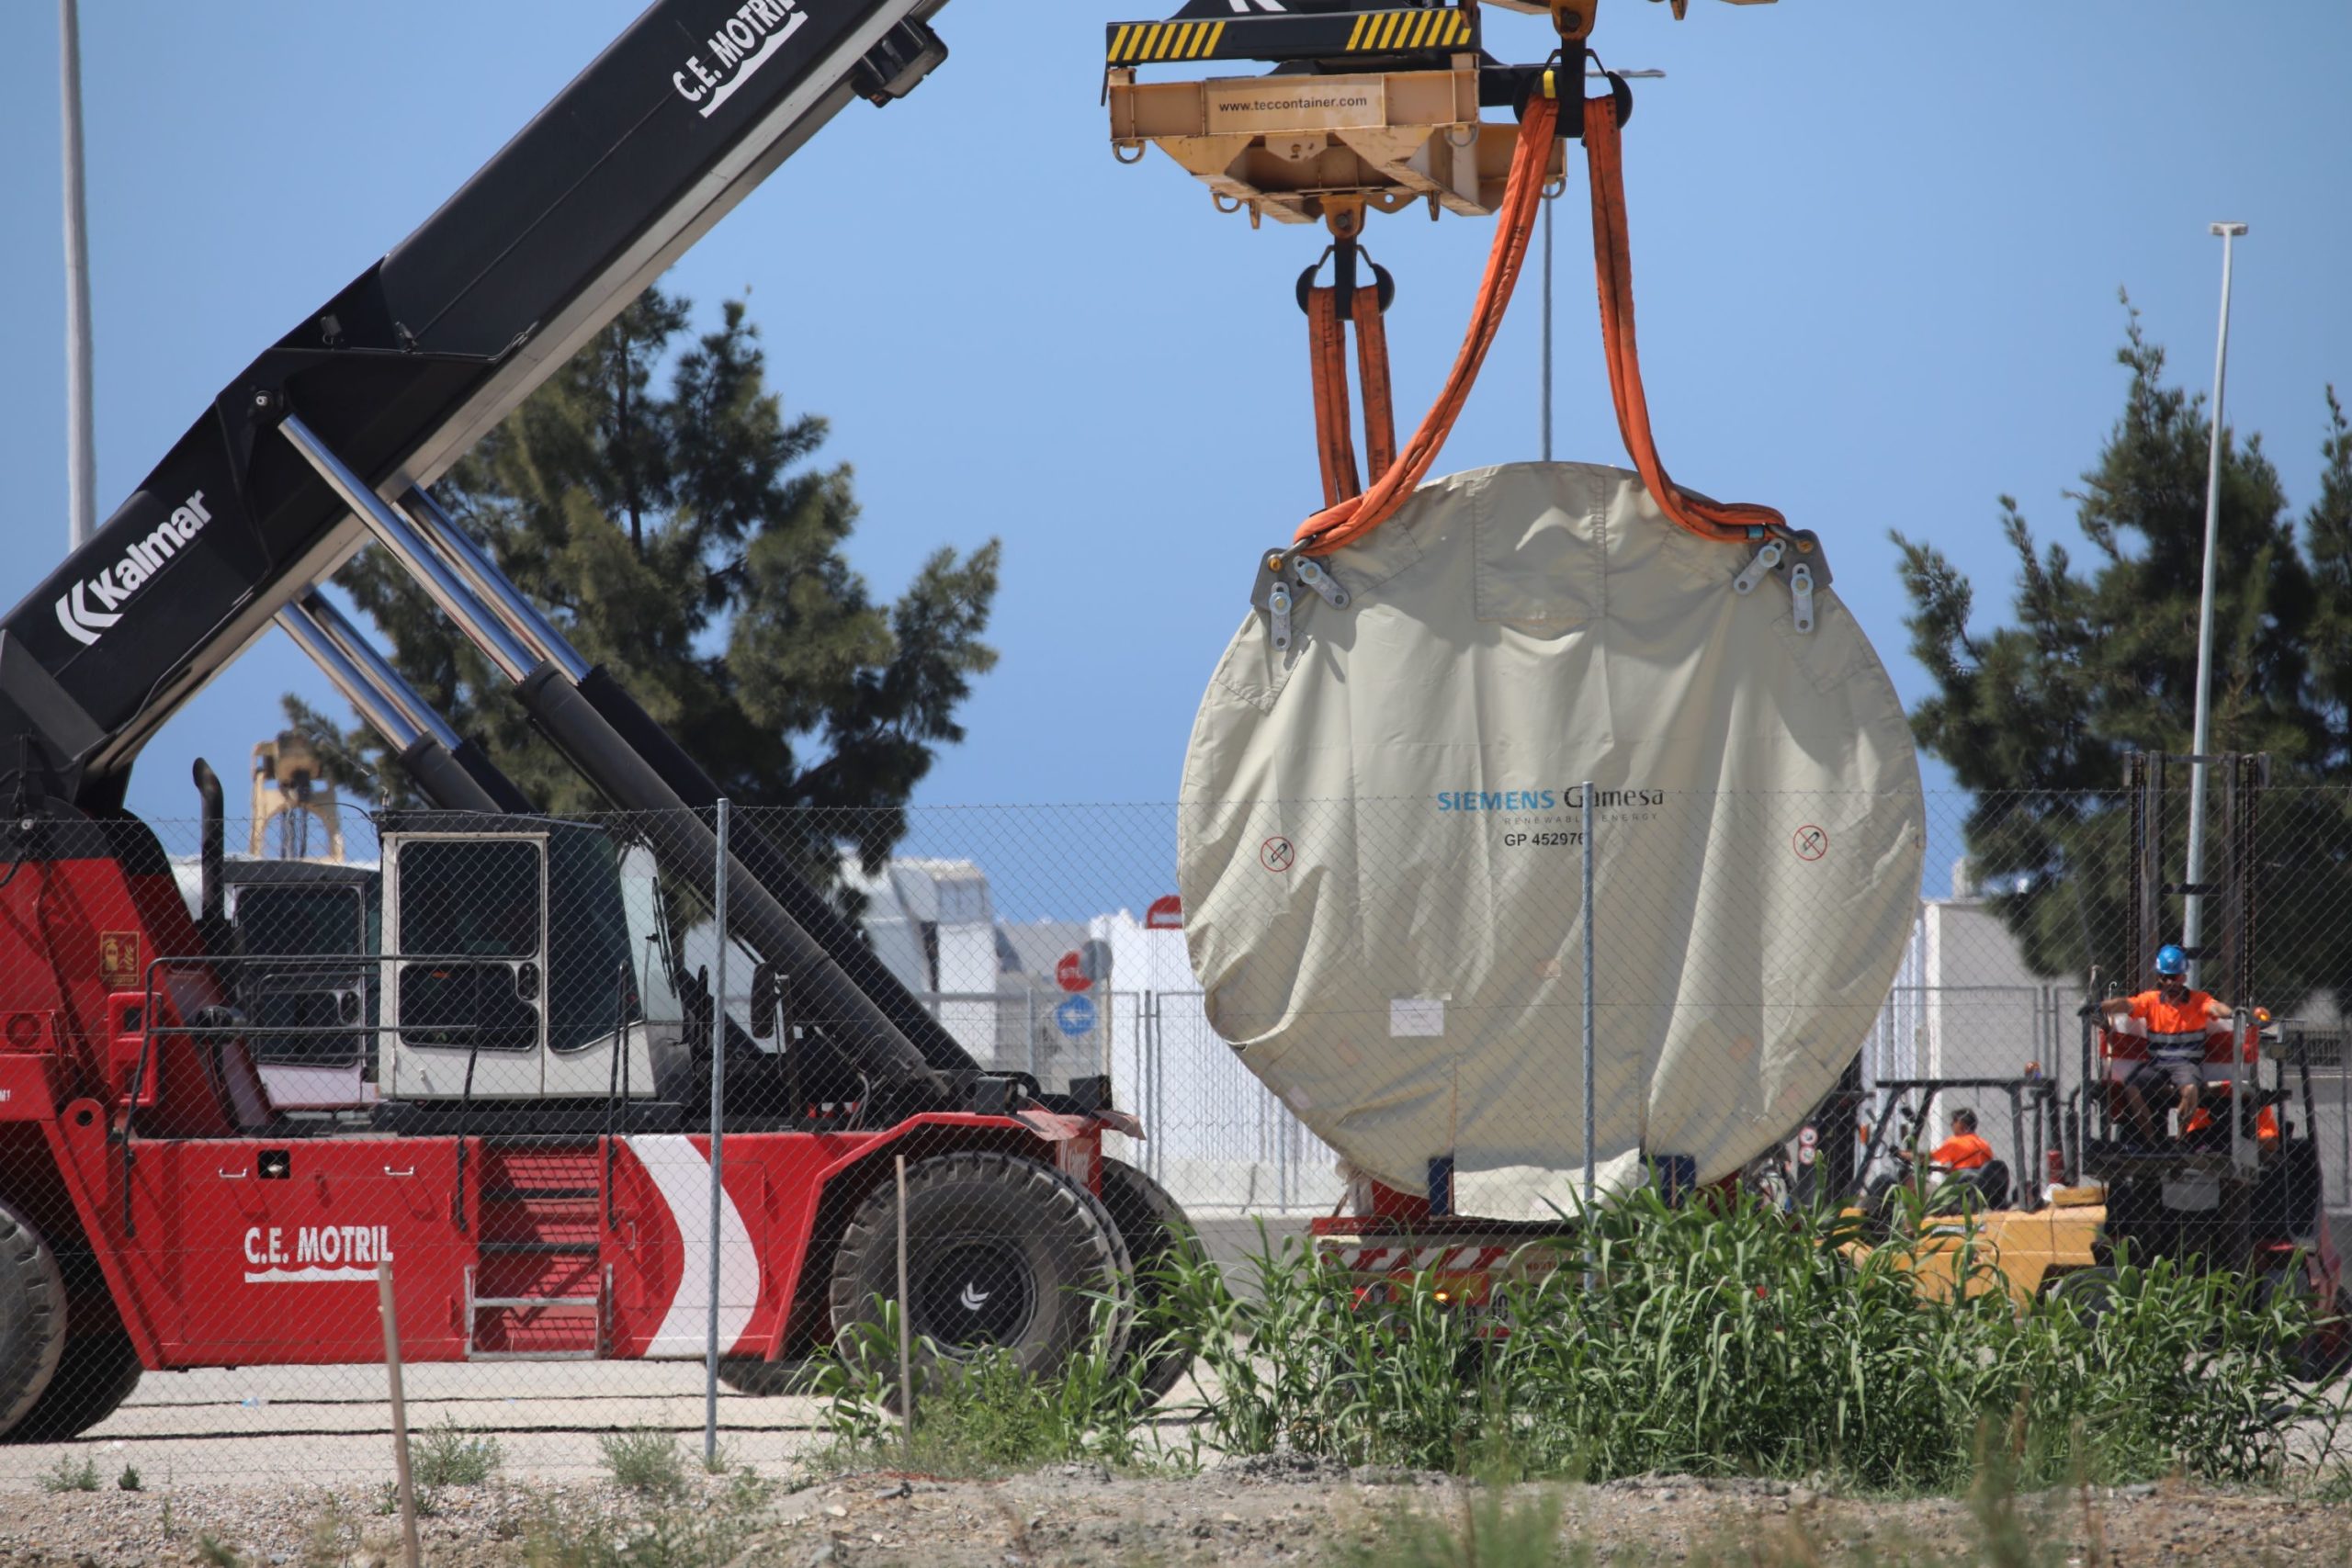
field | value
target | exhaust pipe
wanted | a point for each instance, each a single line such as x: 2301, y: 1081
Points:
x: 212, y: 854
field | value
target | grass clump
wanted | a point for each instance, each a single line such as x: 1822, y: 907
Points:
x: 722, y: 1526
x: 646, y: 1461
x: 428, y: 1499
x: 448, y: 1455
x: 129, y: 1480
x: 67, y: 1476
x: 1728, y: 1339
x: 982, y: 1415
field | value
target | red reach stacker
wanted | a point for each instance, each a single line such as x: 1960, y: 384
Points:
x: 488, y: 1059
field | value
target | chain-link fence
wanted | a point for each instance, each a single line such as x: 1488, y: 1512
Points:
x: 512, y: 1066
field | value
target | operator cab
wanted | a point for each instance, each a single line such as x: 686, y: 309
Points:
x: 510, y: 969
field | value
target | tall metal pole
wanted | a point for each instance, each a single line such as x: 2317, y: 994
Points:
x: 718, y: 1132
x: 2193, y: 912
x: 1591, y: 789
x: 80, y: 448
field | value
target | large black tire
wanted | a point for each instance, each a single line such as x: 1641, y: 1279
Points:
x: 96, y: 1375
x: 1159, y: 1240
x: 32, y: 1317
x: 1003, y: 1253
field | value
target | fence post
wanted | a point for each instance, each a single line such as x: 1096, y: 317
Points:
x: 718, y: 1133
x: 1156, y: 1087
x: 905, y: 1320
x: 400, y: 1412
x: 1589, y: 912
x: 1282, y: 1159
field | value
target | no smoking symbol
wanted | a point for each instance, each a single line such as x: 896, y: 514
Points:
x: 1811, y: 842
x: 1276, y: 855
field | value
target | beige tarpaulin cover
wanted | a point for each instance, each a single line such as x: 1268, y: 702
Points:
x: 1380, y: 850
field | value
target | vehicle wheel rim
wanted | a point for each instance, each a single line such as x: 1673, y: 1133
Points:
x: 974, y: 1294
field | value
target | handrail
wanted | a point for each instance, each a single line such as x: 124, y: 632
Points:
x: 618, y: 1083
x: 464, y: 1113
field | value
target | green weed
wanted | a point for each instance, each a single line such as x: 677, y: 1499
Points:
x: 428, y: 1499
x: 211, y: 1549
x: 718, y: 1529
x: 1731, y: 1339
x: 982, y: 1417
x: 129, y: 1479
x: 67, y: 1476
x: 448, y: 1455
x: 646, y: 1461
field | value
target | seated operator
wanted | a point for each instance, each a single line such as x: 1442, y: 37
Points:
x: 1964, y: 1150
x: 2177, y: 1020
x: 1959, y: 1160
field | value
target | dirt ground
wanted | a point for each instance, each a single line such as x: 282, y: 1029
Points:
x: 1248, y: 1512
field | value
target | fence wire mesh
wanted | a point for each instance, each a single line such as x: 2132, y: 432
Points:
x: 481, y: 1053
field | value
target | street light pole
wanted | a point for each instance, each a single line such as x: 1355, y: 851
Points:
x: 2193, y: 910
x: 82, y: 459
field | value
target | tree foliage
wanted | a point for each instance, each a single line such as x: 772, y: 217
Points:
x: 659, y: 502
x: 2036, y: 718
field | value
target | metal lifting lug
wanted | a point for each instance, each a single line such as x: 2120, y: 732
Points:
x: 1800, y: 592
x: 1272, y: 590
x: 1764, y: 562
x: 1312, y: 575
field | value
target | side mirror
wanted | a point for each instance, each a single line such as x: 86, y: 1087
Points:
x: 764, y: 1001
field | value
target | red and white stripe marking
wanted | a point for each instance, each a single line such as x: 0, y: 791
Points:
x: 1472, y: 1258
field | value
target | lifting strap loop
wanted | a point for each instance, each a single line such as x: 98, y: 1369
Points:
x: 1372, y: 371
x: 1334, y: 441
x: 1351, y: 517
x: 1347, y: 516
x: 1328, y: 353
x: 1613, y: 267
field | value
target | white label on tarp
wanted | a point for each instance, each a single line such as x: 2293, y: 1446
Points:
x: 1416, y: 1018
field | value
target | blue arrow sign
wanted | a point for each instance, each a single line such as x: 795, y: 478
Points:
x: 1075, y: 1017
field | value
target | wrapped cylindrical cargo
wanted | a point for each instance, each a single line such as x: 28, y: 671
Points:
x: 1381, y: 840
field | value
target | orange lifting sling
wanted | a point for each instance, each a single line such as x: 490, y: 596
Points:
x: 1348, y: 514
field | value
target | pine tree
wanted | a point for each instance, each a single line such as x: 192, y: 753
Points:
x: 2036, y: 718
x: 656, y: 499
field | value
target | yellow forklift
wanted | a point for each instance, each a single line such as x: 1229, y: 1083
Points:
x: 2236, y: 1188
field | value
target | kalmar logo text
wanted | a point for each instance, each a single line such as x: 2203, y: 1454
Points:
x: 88, y: 608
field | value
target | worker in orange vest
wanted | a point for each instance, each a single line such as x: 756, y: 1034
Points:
x: 1964, y: 1150
x: 2176, y: 1019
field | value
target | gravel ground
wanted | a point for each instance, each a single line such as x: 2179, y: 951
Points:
x: 1250, y: 1512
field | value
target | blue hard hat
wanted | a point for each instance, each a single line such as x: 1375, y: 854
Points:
x: 2171, y: 960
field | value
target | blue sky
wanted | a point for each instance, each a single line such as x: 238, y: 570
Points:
x: 1877, y: 249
